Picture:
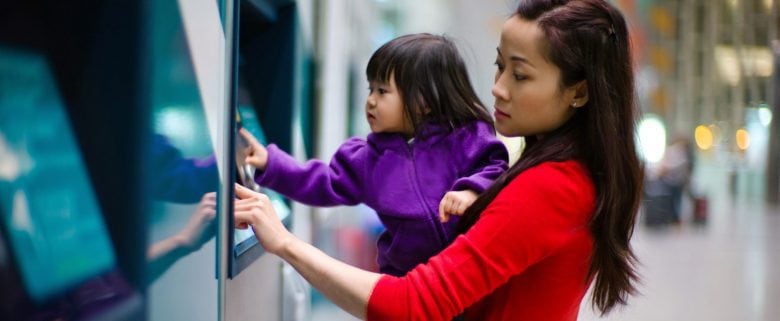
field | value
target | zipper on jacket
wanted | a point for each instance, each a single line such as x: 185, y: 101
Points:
x: 416, y: 184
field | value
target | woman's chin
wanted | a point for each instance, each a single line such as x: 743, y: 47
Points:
x: 507, y: 132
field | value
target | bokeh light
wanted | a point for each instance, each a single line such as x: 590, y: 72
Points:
x: 743, y: 139
x: 652, y: 138
x: 703, y: 136
x: 765, y: 116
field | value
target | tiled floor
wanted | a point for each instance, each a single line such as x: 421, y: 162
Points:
x: 728, y: 269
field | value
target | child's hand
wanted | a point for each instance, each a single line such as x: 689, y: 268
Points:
x: 455, y: 203
x: 256, y: 154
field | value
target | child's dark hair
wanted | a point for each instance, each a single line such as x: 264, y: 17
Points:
x: 431, y: 78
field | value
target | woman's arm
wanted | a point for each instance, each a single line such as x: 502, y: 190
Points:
x: 345, y: 285
x: 539, y: 212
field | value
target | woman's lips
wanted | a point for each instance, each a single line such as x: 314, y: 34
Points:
x: 498, y: 113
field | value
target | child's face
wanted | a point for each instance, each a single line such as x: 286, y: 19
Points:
x: 529, y: 100
x: 385, y: 109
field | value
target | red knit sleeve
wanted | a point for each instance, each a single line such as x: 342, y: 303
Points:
x: 537, y: 213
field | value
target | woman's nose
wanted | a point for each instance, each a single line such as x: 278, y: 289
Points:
x: 499, y: 91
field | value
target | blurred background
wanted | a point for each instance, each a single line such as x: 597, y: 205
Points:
x: 708, y: 232
x: 135, y: 101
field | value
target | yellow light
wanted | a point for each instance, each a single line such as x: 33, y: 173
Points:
x: 703, y: 136
x: 743, y: 139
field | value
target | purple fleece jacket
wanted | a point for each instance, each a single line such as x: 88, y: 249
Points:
x: 403, y: 182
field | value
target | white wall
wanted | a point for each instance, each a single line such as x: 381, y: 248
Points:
x: 477, y: 32
x: 255, y: 293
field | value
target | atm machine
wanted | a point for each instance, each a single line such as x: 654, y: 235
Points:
x: 117, y: 139
x: 69, y: 193
x: 273, y: 94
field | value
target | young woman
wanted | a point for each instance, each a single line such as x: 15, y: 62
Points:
x: 557, y: 222
x: 432, y: 150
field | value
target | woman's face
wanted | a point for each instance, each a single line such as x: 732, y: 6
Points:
x: 527, y: 88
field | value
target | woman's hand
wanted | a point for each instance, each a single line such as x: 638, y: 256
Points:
x: 256, y: 154
x: 455, y: 203
x: 254, y: 209
x: 345, y: 285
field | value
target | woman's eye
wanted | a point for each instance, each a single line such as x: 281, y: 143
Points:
x: 499, y: 66
x: 382, y: 91
x: 520, y: 77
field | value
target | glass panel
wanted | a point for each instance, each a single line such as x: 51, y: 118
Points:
x: 48, y: 208
x: 182, y: 180
x: 48, y: 203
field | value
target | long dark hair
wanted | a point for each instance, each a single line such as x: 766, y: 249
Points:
x: 431, y: 78
x: 588, y: 40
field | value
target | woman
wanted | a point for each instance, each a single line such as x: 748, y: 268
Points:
x: 557, y: 221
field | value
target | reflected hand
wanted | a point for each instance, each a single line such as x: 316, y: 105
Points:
x: 455, y: 203
x: 254, y: 209
x: 256, y: 154
x: 198, y: 230
x: 194, y: 234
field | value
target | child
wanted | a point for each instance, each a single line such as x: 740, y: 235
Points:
x: 432, y: 150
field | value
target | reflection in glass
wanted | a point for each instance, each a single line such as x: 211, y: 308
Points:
x: 49, y: 214
x: 181, y: 180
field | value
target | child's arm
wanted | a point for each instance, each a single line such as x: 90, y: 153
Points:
x: 483, y: 156
x: 315, y: 182
x: 179, y: 179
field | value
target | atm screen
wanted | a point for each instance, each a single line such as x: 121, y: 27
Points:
x: 244, y: 239
x: 48, y: 210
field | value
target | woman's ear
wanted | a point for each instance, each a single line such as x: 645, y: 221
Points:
x: 579, y: 92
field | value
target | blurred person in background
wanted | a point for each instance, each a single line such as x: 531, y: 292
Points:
x: 558, y: 221
x: 675, y: 170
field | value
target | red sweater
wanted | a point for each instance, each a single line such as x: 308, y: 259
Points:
x: 526, y: 258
